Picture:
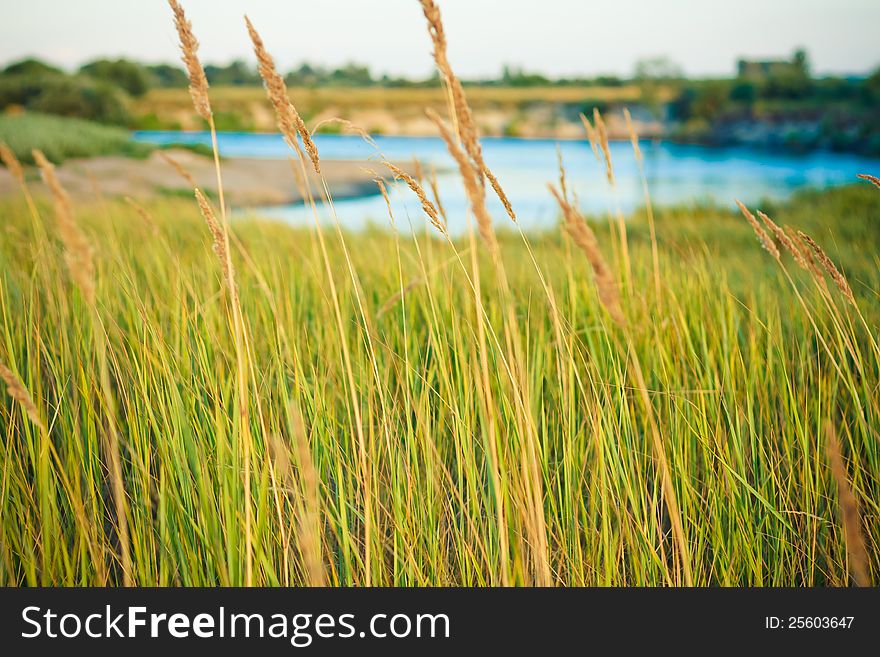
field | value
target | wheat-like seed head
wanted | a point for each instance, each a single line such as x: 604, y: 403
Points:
x: 602, y: 133
x: 467, y: 128
x: 189, y: 46
x: 849, y: 510
x: 563, y: 182
x: 181, y: 171
x: 77, y: 251
x: 383, y: 189
x: 764, y: 239
x: 592, y: 137
x: 584, y: 238
x: 435, y: 192
x: 473, y: 186
x: 633, y: 135
x: 427, y: 206
x: 874, y: 180
x: 805, y: 251
x: 19, y: 393
x: 218, y: 238
x: 144, y: 214
x: 830, y: 268
x: 418, y: 171
x: 785, y: 240
x: 289, y: 121
x: 500, y: 193
x: 348, y: 127
x: 11, y: 162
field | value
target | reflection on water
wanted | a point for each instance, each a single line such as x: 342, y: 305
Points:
x: 676, y: 174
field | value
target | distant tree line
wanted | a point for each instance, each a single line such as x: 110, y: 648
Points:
x: 837, y: 113
x: 102, y: 90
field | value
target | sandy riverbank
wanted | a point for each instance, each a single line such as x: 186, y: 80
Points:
x: 246, y: 181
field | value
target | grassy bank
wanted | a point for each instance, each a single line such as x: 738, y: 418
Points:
x: 62, y: 138
x: 401, y: 478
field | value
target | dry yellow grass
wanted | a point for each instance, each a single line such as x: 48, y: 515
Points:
x: 850, y: 517
x: 77, y: 250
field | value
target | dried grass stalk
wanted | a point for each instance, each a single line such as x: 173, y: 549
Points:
x: 418, y: 171
x: 397, y: 296
x: 289, y: 121
x: 347, y: 126
x: 874, y: 180
x: 467, y: 129
x: 785, y: 240
x: 19, y: 393
x: 473, y: 187
x: 563, y: 181
x: 11, y: 162
x: 585, y: 240
x: 144, y: 214
x: 633, y: 135
x: 592, y: 137
x: 189, y: 46
x: 181, y: 170
x: 218, y: 239
x: 435, y: 192
x: 427, y: 206
x: 602, y: 133
x: 77, y: 251
x: 500, y: 193
x: 468, y: 135
x: 765, y: 240
x: 849, y: 511
x: 805, y: 251
x: 830, y: 268
x: 308, y: 502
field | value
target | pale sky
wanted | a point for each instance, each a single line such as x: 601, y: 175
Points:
x: 555, y: 37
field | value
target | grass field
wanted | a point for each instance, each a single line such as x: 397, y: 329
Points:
x: 652, y: 401
x: 743, y: 369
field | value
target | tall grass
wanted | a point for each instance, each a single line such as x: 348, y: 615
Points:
x: 408, y: 408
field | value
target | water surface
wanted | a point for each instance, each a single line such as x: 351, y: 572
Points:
x: 676, y: 174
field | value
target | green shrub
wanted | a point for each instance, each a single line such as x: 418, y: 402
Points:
x: 31, y: 67
x: 72, y: 96
x: 133, y: 78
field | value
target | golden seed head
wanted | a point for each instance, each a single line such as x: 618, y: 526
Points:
x: 602, y: 133
x: 473, y: 186
x: 77, y: 251
x: 182, y: 172
x: 785, y: 240
x: 218, y: 238
x: 427, y: 206
x: 764, y: 239
x: 874, y: 180
x: 189, y: 46
x: 11, y: 162
x: 584, y: 238
x: 19, y: 393
x: 289, y: 121
x: 633, y: 135
x: 830, y: 268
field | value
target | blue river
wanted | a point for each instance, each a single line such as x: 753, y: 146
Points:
x: 677, y: 174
